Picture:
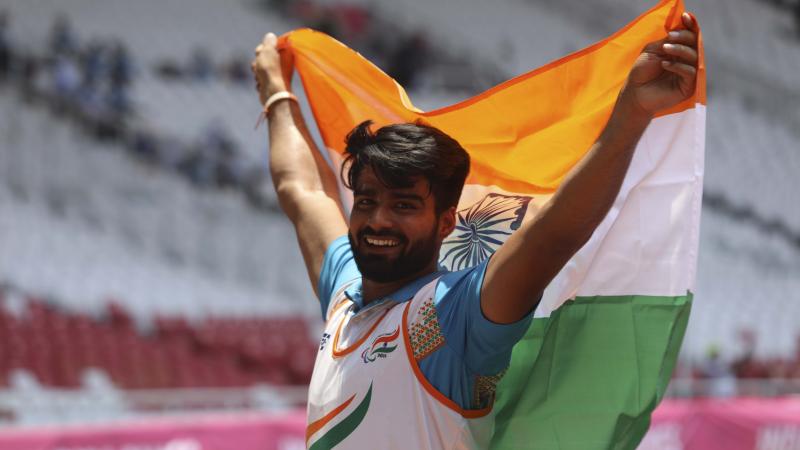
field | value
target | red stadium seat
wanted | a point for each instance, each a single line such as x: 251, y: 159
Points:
x: 57, y: 346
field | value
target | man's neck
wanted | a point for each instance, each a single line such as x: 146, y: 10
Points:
x: 373, y: 290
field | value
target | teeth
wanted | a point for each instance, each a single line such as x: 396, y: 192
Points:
x: 381, y: 242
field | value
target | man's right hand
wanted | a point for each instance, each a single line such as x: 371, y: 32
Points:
x: 266, y: 67
x: 305, y: 184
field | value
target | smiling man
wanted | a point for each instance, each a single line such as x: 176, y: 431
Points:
x: 411, y: 353
x: 418, y: 172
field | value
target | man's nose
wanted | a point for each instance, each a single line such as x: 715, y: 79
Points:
x: 381, y: 218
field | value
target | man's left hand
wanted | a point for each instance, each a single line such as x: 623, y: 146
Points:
x: 665, y: 73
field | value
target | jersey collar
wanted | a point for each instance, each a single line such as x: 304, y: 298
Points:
x: 404, y: 294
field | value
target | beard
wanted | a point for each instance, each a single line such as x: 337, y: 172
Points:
x: 383, y: 268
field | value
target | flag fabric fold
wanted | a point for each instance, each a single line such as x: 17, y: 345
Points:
x: 598, y: 356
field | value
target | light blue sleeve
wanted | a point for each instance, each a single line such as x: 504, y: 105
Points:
x: 338, y: 267
x: 484, y: 346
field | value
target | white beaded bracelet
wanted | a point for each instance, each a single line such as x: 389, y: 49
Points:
x: 276, y: 97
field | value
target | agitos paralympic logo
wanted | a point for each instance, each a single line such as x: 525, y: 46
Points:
x: 381, y: 346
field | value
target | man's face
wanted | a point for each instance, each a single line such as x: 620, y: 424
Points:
x: 395, y: 233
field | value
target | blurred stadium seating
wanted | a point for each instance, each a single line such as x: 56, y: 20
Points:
x: 221, y: 352
x: 128, y: 278
x: 85, y: 223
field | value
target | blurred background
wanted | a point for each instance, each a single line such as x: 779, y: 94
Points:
x: 146, y: 270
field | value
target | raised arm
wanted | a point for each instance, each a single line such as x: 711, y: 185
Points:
x: 663, y: 76
x: 305, y: 184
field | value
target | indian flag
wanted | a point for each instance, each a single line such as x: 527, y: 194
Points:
x: 604, y: 340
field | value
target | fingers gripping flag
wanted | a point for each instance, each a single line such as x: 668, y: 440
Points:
x: 600, y: 351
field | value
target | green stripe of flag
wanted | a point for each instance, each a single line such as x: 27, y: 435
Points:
x: 588, y: 376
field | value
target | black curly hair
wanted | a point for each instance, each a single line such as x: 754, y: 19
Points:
x: 402, y: 153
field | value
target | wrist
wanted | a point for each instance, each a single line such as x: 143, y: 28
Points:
x: 270, y: 104
x: 629, y: 109
x: 273, y: 87
x: 276, y: 86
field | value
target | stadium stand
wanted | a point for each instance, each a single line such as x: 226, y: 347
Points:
x: 129, y: 230
x: 47, y: 351
x: 122, y: 281
x: 217, y: 352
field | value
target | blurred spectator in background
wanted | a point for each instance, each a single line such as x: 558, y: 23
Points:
x: 145, y: 145
x: 209, y: 162
x: 779, y: 368
x: 197, y: 165
x: 237, y: 71
x: 229, y: 168
x: 62, y: 38
x: 354, y: 22
x: 121, y: 75
x: 222, y: 152
x: 714, y: 369
x: 746, y: 365
x: 6, y: 54
x: 281, y: 6
x: 169, y: 150
x: 169, y: 69
x: 93, y: 63
x: 30, y: 77
x: 401, y: 54
x: 408, y: 59
x: 200, y: 67
x: 217, y: 137
x: 795, y: 368
x: 90, y: 103
x: 316, y: 16
x: 258, y: 188
x: 796, y: 11
x: 66, y: 79
x: 121, y: 65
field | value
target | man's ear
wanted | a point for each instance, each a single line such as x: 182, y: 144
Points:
x: 447, y: 222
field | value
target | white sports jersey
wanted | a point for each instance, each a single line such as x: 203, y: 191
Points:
x: 367, y: 391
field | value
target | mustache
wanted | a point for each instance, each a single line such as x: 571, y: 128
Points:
x: 383, y: 233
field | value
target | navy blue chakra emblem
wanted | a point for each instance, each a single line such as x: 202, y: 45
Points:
x: 481, y: 229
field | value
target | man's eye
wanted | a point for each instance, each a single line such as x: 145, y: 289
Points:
x: 364, y: 202
x: 404, y: 205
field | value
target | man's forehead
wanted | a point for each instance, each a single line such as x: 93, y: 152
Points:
x: 368, y: 182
